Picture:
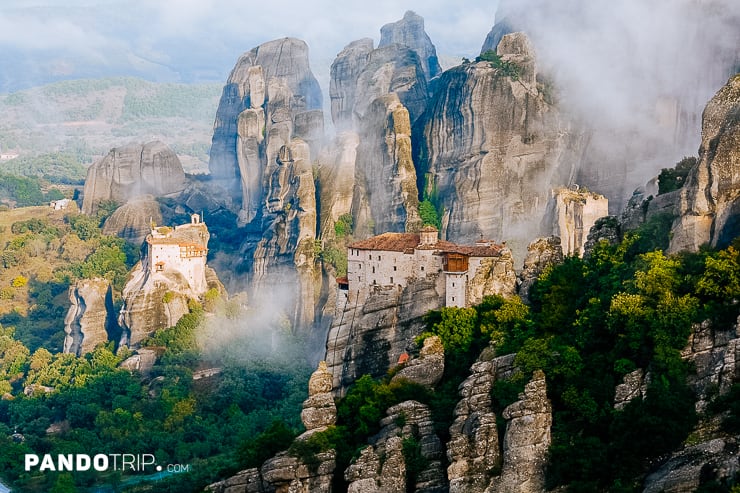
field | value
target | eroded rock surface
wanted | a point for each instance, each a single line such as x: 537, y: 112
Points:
x: 91, y: 318
x: 133, y: 220
x: 428, y: 368
x: 710, y: 199
x: 130, y: 171
x: 541, y: 253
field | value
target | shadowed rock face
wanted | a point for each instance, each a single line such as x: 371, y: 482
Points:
x: 710, y: 200
x: 131, y: 171
x: 409, y: 32
x: 267, y: 132
x: 91, y: 317
x: 493, y: 148
x: 282, y: 63
x: 132, y: 221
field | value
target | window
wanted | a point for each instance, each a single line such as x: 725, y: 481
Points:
x: 453, y: 299
x: 391, y: 280
x: 378, y: 257
x: 373, y: 270
x: 453, y: 285
x: 370, y: 257
x: 422, y: 268
x: 394, y: 268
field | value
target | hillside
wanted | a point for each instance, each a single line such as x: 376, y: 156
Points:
x: 72, y: 122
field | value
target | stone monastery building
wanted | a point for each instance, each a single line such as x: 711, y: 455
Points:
x: 180, y: 251
x: 394, y: 259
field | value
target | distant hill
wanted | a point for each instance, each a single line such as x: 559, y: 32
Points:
x: 64, y: 126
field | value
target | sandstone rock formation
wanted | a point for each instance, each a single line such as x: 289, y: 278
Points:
x: 526, y: 441
x: 474, y: 451
x: 571, y: 215
x: 409, y: 32
x: 266, y: 135
x: 634, y: 385
x: 541, y: 253
x: 319, y: 410
x: 407, y: 424
x: 494, y: 276
x: 710, y: 198
x: 493, y: 146
x: 606, y: 228
x: 369, y: 337
x: 428, y: 368
x: 133, y: 220
x: 172, y: 271
x: 130, y: 171
x: 385, y: 195
x: 91, y: 317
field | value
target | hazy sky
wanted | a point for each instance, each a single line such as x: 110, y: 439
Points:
x: 192, y: 40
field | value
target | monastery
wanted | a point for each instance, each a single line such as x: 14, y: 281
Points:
x: 392, y: 260
x: 181, y: 250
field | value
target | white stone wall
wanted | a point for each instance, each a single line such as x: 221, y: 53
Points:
x: 576, y: 212
x: 192, y: 268
x: 455, y: 288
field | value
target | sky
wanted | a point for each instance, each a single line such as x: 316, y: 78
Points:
x: 200, y: 40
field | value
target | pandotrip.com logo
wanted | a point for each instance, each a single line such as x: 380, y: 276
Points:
x: 135, y: 463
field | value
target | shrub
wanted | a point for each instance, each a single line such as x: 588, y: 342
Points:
x: 671, y: 179
x: 505, y: 68
x: 19, y: 281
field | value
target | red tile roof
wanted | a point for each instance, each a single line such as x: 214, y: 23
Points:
x: 407, y: 242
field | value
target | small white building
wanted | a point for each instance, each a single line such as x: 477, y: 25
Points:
x: 392, y: 260
x: 182, y: 250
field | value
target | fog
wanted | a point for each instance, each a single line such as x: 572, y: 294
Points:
x: 635, y: 74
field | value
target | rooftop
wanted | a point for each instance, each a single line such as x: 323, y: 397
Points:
x: 403, y: 242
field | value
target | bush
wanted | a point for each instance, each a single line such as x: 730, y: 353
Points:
x: 505, y: 68
x: 671, y: 179
x: 19, y: 282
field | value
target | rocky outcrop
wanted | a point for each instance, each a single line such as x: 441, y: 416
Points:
x: 686, y: 470
x: 382, y: 467
x: 607, y: 229
x: 386, y: 197
x: 133, y: 220
x: 142, y: 361
x: 526, y: 441
x: 474, y: 451
x: 172, y: 271
x: 369, y: 335
x: 91, y: 316
x: 343, y: 87
x: 409, y: 32
x: 634, y: 385
x: 493, y: 147
x: 710, y: 199
x: 319, y: 410
x: 428, y: 368
x: 266, y: 135
x: 130, y: 171
x: 541, y: 253
x: 277, y: 71
x: 494, y: 276
x: 715, y: 353
x: 571, y: 213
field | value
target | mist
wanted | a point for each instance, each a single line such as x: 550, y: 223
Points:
x: 636, y: 75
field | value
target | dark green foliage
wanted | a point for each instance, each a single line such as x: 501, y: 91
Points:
x: 414, y: 461
x: 671, y: 179
x: 55, y: 167
x: 505, y: 68
x: 344, y: 225
x: 428, y: 214
x: 24, y: 191
x: 276, y: 438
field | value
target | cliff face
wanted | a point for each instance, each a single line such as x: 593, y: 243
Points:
x: 267, y: 132
x: 130, y: 171
x: 91, y: 317
x: 409, y: 32
x: 493, y: 146
x: 710, y: 200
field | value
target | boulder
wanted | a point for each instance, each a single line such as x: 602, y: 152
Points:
x: 133, y: 220
x: 131, y: 171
